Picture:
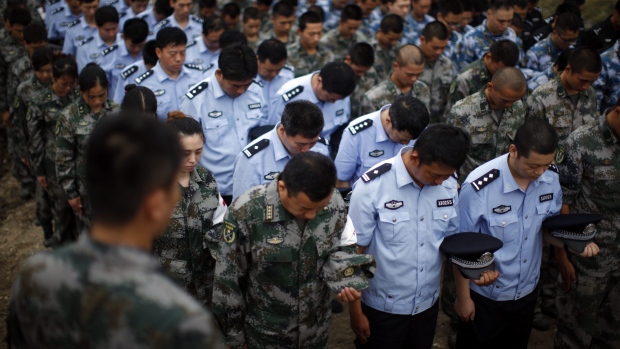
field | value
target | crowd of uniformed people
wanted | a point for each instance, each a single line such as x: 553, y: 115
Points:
x: 274, y: 142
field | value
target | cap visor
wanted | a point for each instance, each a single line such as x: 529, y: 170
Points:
x: 476, y: 273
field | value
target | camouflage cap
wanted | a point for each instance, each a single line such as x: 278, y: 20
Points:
x: 472, y: 253
x: 348, y: 270
x: 576, y: 230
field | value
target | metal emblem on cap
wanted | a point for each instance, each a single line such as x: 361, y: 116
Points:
x: 349, y: 271
x: 590, y: 229
x: 486, y: 257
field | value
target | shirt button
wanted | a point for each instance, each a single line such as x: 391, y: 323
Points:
x: 421, y: 270
x: 496, y: 286
x: 525, y: 261
x: 242, y: 138
x: 503, y: 223
x: 526, y: 238
x: 526, y: 217
x: 422, y: 218
x: 393, y: 219
x: 389, y: 296
x: 445, y: 216
x: 422, y: 244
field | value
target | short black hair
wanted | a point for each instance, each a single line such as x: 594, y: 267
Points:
x: 106, y: 14
x: 506, y: 52
x: 170, y: 36
x: 392, y: 23
x: 495, y: 5
x: 450, y: 6
x: 283, y: 9
x: 91, y: 76
x: 42, y: 56
x: 351, y: 11
x: 536, y: 135
x: 136, y: 30
x: 65, y: 67
x: 309, y: 17
x: 585, y: 59
x: 451, y: 151
x: 231, y: 9
x: 362, y: 55
x: 20, y: 16
x: 567, y: 6
x: 251, y: 13
x: 127, y: 158
x: 232, y: 36
x: 265, y: 2
x: 408, y: 113
x: 163, y: 7
x: 87, y: 1
x: 212, y: 23
x: 184, y: 125
x: 35, y: 33
x: 517, y: 22
x: 338, y: 77
x: 562, y: 61
x: 318, y: 10
x: 303, y: 118
x: 272, y: 49
x: 435, y: 29
x: 207, y: 4
x: 148, y: 53
x: 238, y: 62
x: 567, y: 22
x: 520, y: 3
x: 139, y: 100
x: 310, y: 173
x: 468, y: 5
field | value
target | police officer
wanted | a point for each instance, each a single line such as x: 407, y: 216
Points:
x: 340, y: 39
x: 328, y: 88
x: 136, y: 8
x: 81, y: 28
x: 170, y: 78
x: 263, y: 159
x: 379, y: 136
x: 181, y: 18
x: 273, y: 73
x: 606, y: 93
x: 58, y: 20
x: 99, y: 47
x: 401, y: 210
x: 307, y: 54
x: 205, y: 49
x: 228, y: 105
x: 132, y: 71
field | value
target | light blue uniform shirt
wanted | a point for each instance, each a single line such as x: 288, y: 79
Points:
x: 120, y: 5
x: 95, y: 50
x: 271, y: 88
x: 168, y: 91
x: 192, y: 30
x: 402, y: 226
x: 335, y: 114
x: 127, y: 77
x: 77, y: 32
x: 261, y: 161
x: 364, y: 144
x: 128, y: 14
x: 226, y: 122
x: 196, y: 52
x: 51, y: 5
x: 149, y: 16
x: 501, y: 209
x: 58, y: 21
x: 115, y: 62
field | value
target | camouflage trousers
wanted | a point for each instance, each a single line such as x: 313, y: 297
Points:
x: 589, y: 313
x: 64, y: 218
x: 43, y: 211
x: 21, y: 172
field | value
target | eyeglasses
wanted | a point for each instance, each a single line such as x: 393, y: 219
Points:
x: 569, y: 41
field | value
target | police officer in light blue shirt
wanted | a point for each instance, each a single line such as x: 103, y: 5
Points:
x: 401, y: 210
x: 130, y: 73
x: 181, y: 18
x: 136, y: 8
x: 58, y: 20
x: 120, y: 5
x: 100, y: 47
x: 263, y: 159
x: 509, y: 197
x: 379, y: 136
x: 273, y: 73
x: 82, y: 28
x: 228, y: 105
x: 328, y: 88
x: 51, y: 5
x: 205, y: 50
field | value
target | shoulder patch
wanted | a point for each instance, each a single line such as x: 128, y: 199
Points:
x: 197, y: 89
x: 289, y: 67
x: 52, y: 2
x: 485, y: 179
x: 57, y: 11
x: 255, y: 148
x: 553, y: 168
x: 323, y: 141
x: 162, y: 24
x: 191, y: 43
x: 122, y: 14
x: 287, y: 96
x: 360, y: 126
x: 86, y: 41
x: 144, y: 76
x: 376, y: 172
x: 74, y: 23
x: 258, y: 83
x: 128, y: 72
x: 196, y: 19
x: 209, y: 66
x: 193, y: 66
x: 109, y: 49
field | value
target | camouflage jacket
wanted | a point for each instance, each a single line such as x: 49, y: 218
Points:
x: 75, y: 124
x: 364, y: 84
x: 185, y: 249
x: 383, y: 58
x: 490, y: 136
x: 20, y: 72
x: 25, y: 93
x: 606, y: 86
x: 541, y: 56
x: 551, y: 102
x: 437, y: 76
x: 477, y: 42
x: 292, y: 37
x: 386, y: 92
x: 93, y: 295
x: 42, y: 120
x: 10, y: 52
x: 473, y: 78
x: 305, y: 64
x: 267, y: 292
x: 333, y: 41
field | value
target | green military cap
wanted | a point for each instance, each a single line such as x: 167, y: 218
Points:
x: 343, y: 269
x: 576, y: 230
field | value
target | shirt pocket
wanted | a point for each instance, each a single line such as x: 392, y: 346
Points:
x: 505, y: 227
x: 395, y: 226
x: 215, y: 129
x: 164, y: 102
x: 443, y: 221
x: 274, y: 264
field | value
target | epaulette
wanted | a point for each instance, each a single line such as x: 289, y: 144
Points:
x: 85, y: 41
x: 191, y: 43
x: 197, y: 89
x: 122, y: 14
x: 292, y: 93
x: 209, y: 66
x: 161, y: 24
x: 360, y: 126
x: 255, y: 148
x: 553, y: 168
x: 144, y: 16
x: 323, y: 141
x: 258, y: 83
x: 376, y: 172
x: 52, y: 2
x: 111, y: 3
x: 74, y: 23
x: 109, y: 49
x: 56, y: 11
x: 196, y: 19
x: 193, y: 66
x: 289, y: 67
x: 144, y: 76
x: 485, y: 179
x: 128, y: 72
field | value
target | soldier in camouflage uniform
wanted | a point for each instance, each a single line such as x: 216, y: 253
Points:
x: 277, y: 236
x: 386, y: 43
x: 589, y: 167
x: 188, y: 247
x: 407, y: 68
x: 340, y: 39
x: 361, y: 59
x: 307, y: 55
x: 416, y: 20
x: 107, y: 290
x: 75, y: 124
x: 283, y: 15
x: 568, y: 101
x: 42, y: 119
x: 607, y: 84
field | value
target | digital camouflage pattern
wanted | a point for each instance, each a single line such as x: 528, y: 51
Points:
x: 292, y: 37
x: 607, y: 92
x: 267, y: 291
x: 473, y: 78
x: 552, y: 103
x: 10, y: 52
x: 364, y: 84
x: 413, y: 28
x: 451, y: 52
x: 490, y: 135
x: 92, y: 295
x: 589, y: 167
x: 75, y: 124
x: 438, y: 76
x: 540, y: 79
x: 343, y: 269
x: 384, y: 58
x: 339, y: 46
x: 187, y: 249
x: 477, y: 42
x: 541, y: 56
x: 386, y: 92
x: 305, y: 64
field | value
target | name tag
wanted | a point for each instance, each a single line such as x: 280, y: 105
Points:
x: 254, y: 106
x: 445, y: 202
x: 546, y: 197
x: 340, y: 112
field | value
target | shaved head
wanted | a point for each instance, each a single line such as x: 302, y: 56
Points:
x: 409, y: 54
x: 508, y: 78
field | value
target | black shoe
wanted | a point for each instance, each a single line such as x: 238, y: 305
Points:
x: 540, y: 322
x: 336, y: 307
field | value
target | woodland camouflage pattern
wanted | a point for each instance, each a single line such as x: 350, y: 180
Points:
x: 437, y: 76
x: 333, y: 41
x: 10, y: 52
x: 383, y: 58
x: 386, y: 92
x: 305, y: 64
x: 365, y: 83
x: 470, y: 80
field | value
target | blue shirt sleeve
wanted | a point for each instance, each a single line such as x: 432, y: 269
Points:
x: 348, y: 159
x: 363, y: 214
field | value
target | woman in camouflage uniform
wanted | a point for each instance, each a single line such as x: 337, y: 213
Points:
x: 74, y: 127
x: 41, y: 118
x: 187, y: 248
